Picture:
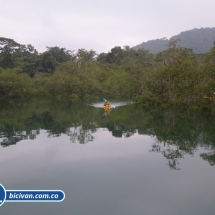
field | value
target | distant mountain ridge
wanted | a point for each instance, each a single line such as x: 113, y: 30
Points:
x: 199, y: 40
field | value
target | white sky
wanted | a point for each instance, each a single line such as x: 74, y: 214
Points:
x: 100, y: 24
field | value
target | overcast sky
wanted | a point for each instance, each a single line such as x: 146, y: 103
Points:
x: 100, y: 24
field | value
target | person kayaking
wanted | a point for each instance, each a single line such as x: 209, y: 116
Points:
x: 107, y: 106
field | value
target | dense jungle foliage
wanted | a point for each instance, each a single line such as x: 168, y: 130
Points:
x: 176, y: 76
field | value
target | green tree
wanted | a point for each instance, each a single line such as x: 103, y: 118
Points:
x: 83, y: 57
x: 7, y: 48
x: 48, y: 62
x: 60, y: 54
x: 27, y: 59
x: 14, y: 84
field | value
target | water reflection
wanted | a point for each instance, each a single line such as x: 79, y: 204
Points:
x: 80, y: 135
x: 176, y: 134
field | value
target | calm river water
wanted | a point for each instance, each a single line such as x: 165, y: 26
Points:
x: 130, y: 161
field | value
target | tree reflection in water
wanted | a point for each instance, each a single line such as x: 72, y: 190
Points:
x: 176, y: 133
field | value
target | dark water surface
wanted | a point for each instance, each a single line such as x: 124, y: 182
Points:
x: 130, y: 161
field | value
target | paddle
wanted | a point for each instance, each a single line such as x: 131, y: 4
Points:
x: 105, y: 99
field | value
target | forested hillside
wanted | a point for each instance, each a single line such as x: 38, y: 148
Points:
x: 175, y: 77
x: 199, y: 40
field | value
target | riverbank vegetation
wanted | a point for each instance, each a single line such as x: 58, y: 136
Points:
x: 176, y: 77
